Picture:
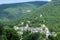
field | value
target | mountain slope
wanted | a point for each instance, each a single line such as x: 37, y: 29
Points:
x: 10, y: 12
x: 50, y: 15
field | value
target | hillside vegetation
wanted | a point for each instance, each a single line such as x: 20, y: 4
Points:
x: 50, y: 15
x: 9, y: 12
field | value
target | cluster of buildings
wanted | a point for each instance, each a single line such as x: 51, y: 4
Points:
x: 43, y: 29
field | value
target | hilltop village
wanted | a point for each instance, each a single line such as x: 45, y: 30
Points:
x: 43, y: 29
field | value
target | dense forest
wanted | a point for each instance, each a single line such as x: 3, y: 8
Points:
x: 42, y: 13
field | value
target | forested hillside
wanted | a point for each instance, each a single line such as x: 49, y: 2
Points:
x: 31, y: 16
x: 48, y: 14
x: 14, y: 11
